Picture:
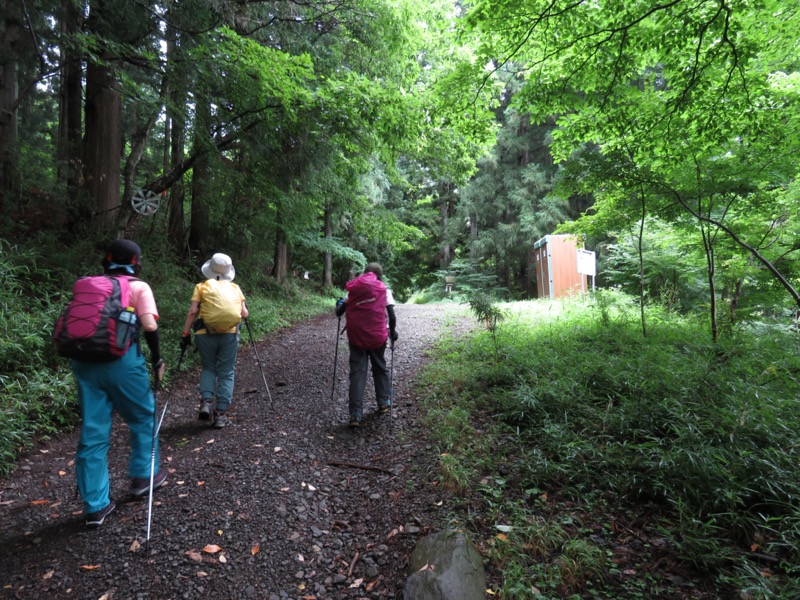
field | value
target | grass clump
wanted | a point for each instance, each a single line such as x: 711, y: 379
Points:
x: 576, y: 402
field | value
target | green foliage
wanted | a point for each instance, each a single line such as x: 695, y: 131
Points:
x: 583, y: 405
x: 37, y: 399
x: 693, y: 108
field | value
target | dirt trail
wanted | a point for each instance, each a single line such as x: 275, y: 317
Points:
x: 300, y: 506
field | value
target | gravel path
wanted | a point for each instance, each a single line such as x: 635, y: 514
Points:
x: 298, y: 505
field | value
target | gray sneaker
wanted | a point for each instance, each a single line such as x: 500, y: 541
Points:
x: 220, y: 420
x: 96, y: 519
x: 206, y: 409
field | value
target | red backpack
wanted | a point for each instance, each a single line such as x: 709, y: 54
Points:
x: 366, y: 312
x: 98, y: 324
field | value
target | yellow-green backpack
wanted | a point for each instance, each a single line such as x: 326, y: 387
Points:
x: 220, y: 305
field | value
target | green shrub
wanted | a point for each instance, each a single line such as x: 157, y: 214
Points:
x: 587, y: 405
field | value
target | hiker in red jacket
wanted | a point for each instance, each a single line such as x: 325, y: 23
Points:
x: 368, y: 303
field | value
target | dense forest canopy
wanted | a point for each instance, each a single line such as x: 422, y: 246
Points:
x: 312, y: 137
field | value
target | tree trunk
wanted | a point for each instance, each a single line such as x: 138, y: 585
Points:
x: 445, y: 250
x: 198, y: 227
x: 71, y: 104
x: 327, y: 269
x: 708, y: 246
x: 280, y: 267
x: 640, y: 248
x: 103, y: 142
x: 9, y: 92
x: 176, y: 192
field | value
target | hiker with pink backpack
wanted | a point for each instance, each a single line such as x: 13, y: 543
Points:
x: 99, y: 331
x: 371, y: 321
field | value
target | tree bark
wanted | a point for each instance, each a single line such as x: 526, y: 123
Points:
x: 199, y: 220
x: 103, y: 141
x: 327, y: 269
x: 9, y: 92
x: 280, y: 267
x: 71, y: 104
x: 178, y: 94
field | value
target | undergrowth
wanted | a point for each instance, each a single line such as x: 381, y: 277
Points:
x: 566, y: 415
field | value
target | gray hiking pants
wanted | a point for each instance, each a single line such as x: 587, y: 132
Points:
x: 359, y: 362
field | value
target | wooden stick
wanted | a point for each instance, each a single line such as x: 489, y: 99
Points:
x: 353, y: 564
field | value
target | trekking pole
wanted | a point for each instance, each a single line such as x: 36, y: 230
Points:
x: 156, y: 431
x: 335, y: 358
x: 152, y: 465
x: 169, y: 396
x: 258, y: 359
x: 391, y: 384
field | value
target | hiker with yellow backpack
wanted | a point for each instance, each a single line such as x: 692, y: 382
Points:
x: 215, y: 311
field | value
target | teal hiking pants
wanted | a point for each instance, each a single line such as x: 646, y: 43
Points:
x: 122, y: 385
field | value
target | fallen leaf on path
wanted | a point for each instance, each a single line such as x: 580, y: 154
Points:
x: 222, y: 558
x: 62, y: 473
x: 135, y: 546
x: 202, y: 574
x: 106, y: 596
x: 255, y: 549
x: 194, y: 555
x: 89, y: 567
x: 37, y: 502
x: 357, y: 583
x: 212, y: 549
x: 211, y: 441
x: 49, y: 574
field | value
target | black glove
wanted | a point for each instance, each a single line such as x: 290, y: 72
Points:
x: 393, y: 335
x: 156, y: 364
x: 340, y: 307
x: 339, y: 302
x: 186, y: 341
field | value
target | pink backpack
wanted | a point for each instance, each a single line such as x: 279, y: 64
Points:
x: 97, y: 324
x: 366, y: 312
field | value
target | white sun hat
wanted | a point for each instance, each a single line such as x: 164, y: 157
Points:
x: 219, y: 266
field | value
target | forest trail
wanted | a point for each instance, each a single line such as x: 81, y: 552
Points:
x: 284, y: 503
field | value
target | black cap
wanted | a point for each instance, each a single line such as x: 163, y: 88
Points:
x: 123, y: 255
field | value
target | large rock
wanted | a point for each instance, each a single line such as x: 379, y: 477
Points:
x: 445, y: 566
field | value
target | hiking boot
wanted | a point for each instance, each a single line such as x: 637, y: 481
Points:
x: 384, y: 407
x: 96, y: 519
x: 206, y: 409
x: 355, y: 421
x: 141, y: 485
x: 220, y: 420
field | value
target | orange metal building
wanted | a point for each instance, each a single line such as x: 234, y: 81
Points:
x: 556, y: 258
